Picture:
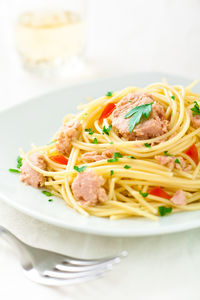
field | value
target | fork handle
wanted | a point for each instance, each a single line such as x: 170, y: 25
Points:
x: 12, y: 239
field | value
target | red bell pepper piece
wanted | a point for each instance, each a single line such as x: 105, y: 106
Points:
x: 59, y: 159
x: 159, y: 192
x: 193, y: 153
x: 107, y: 111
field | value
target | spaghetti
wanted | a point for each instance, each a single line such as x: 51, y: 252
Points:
x: 136, y: 182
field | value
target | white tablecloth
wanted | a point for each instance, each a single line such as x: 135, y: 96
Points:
x: 162, y: 267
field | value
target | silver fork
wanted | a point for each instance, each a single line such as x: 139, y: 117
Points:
x: 50, y: 268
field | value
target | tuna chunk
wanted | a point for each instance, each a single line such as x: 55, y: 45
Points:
x: 87, y: 188
x: 195, y: 120
x: 68, y: 133
x: 152, y: 127
x: 94, y: 156
x: 179, y: 198
x: 30, y: 176
x: 170, y: 162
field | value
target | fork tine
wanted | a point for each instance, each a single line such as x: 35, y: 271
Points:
x: 52, y: 281
x: 71, y: 275
x: 82, y: 268
x: 79, y: 261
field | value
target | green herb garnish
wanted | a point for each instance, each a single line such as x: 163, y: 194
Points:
x: 177, y: 161
x: 143, y: 194
x: 117, y: 155
x: 167, y: 154
x: 132, y: 157
x: 136, y: 114
x: 111, y: 143
x: 112, y: 160
x: 163, y: 210
x: 95, y: 141
x: 106, y: 130
x: 81, y: 169
x: 14, y: 171
x: 50, y: 200
x: 147, y: 145
x: 109, y: 94
x: 19, y: 162
x: 173, y: 97
x: 111, y: 172
x: 46, y: 193
x: 195, y: 109
x: 89, y: 130
x: 127, y: 167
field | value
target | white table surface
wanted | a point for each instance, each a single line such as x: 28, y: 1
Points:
x: 160, y: 267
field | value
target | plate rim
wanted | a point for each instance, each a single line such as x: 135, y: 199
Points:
x: 192, y: 224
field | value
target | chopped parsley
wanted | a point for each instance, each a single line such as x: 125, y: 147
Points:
x: 127, y: 167
x: 106, y: 130
x: 195, y: 109
x: 147, y: 145
x: 111, y: 172
x: 116, y: 155
x: 167, y: 154
x: 50, y: 200
x: 112, y: 160
x: 109, y: 94
x: 19, y: 162
x: 111, y: 143
x: 177, y: 161
x: 89, y: 130
x: 132, y: 157
x: 163, y: 210
x: 173, y: 97
x: 137, y: 113
x: 81, y: 169
x: 95, y: 141
x: 46, y: 193
x: 143, y: 194
x: 14, y: 171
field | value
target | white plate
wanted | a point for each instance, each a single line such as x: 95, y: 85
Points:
x: 36, y: 121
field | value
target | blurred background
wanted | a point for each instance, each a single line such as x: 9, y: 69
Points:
x: 50, y: 44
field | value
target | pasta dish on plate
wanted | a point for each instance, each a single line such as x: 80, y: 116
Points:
x: 130, y: 153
